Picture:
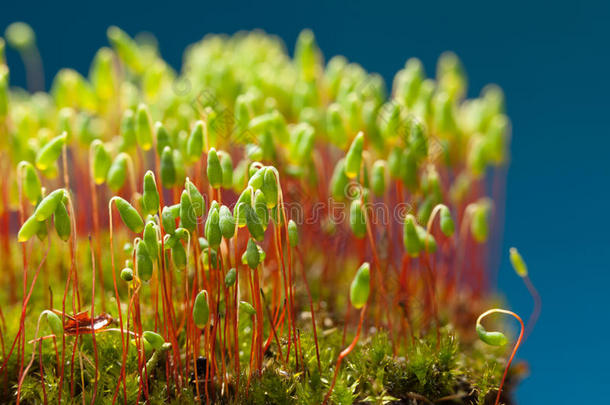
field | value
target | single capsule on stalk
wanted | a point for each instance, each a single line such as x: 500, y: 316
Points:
x: 130, y: 216
x: 201, y: 309
x: 144, y: 129
x: 360, y: 287
x: 214, y: 169
x: 150, y: 194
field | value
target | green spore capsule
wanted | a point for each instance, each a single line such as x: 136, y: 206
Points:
x: 270, y: 187
x: 150, y: 194
x: 253, y: 222
x: 117, y: 173
x: 179, y: 255
x: 479, y: 225
x: 257, y: 178
x: 410, y: 237
x: 54, y: 322
x: 378, y: 175
x: 247, y: 308
x: 231, y: 277
x: 518, y: 263
x: 394, y: 160
x: 28, y: 229
x: 194, y: 143
x: 339, y: 181
x: 293, y: 233
x: 353, y: 159
x: 214, y: 169
x: 168, y: 169
x: 252, y: 254
x: 357, y: 219
x: 335, y: 125
x: 150, y: 239
x: 168, y: 220
x: 154, y: 339
x: 163, y: 137
x: 201, y: 309
x: 260, y: 207
x: 447, y: 224
x: 49, y: 153
x: 196, y: 197
x: 209, y: 258
x: 144, y: 128
x: 144, y: 262
x: 31, y: 183
x: 360, y: 287
x: 128, y: 130
x: 129, y: 215
x: 48, y: 205
x: 226, y: 163
x: 427, y: 240
x: 212, y: 228
x: 4, y: 90
x: 187, y: 213
x: 61, y: 220
x: 127, y: 274
x: 226, y: 222
x: 491, y: 338
x: 101, y: 162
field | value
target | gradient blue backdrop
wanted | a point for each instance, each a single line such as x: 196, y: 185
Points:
x: 551, y: 60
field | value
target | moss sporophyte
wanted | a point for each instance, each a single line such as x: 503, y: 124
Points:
x: 251, y: 189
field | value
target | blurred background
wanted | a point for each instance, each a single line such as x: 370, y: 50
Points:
x: 552, y: 60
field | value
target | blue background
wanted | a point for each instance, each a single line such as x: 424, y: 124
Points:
x: 552, y: 62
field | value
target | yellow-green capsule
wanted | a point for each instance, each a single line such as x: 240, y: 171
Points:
x: 447, y: 224
x: 427, y: 240
x: 214, y: 169
x: 194, y: 144
x: 479, y: 223
x: 4, y: 92
x: 253, y: 222
x: 179, y: 255
x: 270, y: 187
x: 48, y: 205
x: 150, y: 239
x: 168, y: 220
x: 339, y: 181
x: 357, y: 220
x: 168, y: 170
x: 212, y: 228
x: 179, y: 166
x: 360, y: 287
x: 231, y: 277
x: 378, y: 183
x: 252, y: 254
x: 293, y: 233
x: 394, y: 161
x: 54, y: 322
x: 226, y: 163
x: 61, y: 220
x: 128, y: 130
x: 247, y: 308
x: 117, y: 173
x: 144, y: 129
x: 335, y: 125
x: 196, y: 198
x: 31, y: 183
x: 163, y: 137
x: 518, y: 263
x: 129, y: 215
x: 260, y: 207
x: 353, y: 159
x: 102, y: 74
x: 127, y: 274
x: 28, y: 229
x: 50, y: 152
x: 188, y: 218
x: 20, y: 36
x: 491, y: 338
x: 410, y: 237
x: 150, y: 194
x: 153, y: 339
x: 101, y: 161
x: 144, y: 262
x: 226, y: 222
x: 201, y: 309
x: 257, y: 176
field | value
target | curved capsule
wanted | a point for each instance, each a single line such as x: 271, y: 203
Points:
x: 491, y: 338
x: 214, y: 169
x: 168, y: 220
x: 48, y: 205
x: 212, y: 228
x: 154, y: 339
x: 518, y: 262
x: 293, y: 233
x: 150, y: 194
x: 447, y: 224
x: 54, y: 322
x: 117, y: 173
x: 61, y: 220
x: 144, y: 129
x: 129, y: 215
x: 270, y: 187
x: 247, y: 308
x: 187, y: 213
x: 196, y: 198
x: 168, y: 169
x: 31, y: 183
x: 353, y: 159
x: 28, y: 229
x: 360, y: 287
x: 144, y: 262
x: 410, y: 237
x: 201, y: 309
x: 194, y: 143
x: 49, y: 153
x: 357, y: 219
x: 378, y: 175
x: 252, y: 254
x: 226, y: 222
x: 231, y: 277
x: 101, y: 162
